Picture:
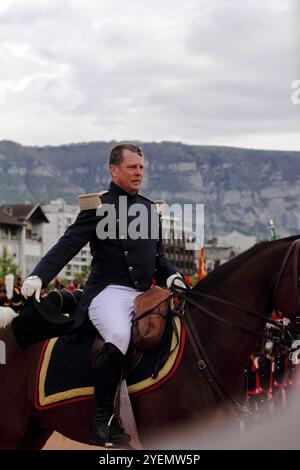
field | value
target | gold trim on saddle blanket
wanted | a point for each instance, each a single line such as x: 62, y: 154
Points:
x: 60, y: 396
x: 87, y: 391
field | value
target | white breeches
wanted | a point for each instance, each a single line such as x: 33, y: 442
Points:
x: 111, y: 313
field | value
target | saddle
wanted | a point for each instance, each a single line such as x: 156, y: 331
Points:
x: 149, y: 317
x: 148, y: 325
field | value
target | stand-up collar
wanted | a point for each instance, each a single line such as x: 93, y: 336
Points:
x: 115, y: 189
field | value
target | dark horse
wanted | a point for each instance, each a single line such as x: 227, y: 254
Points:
x: 259, y: 280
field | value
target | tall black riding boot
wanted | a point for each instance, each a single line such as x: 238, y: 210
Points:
x: 106, y: 429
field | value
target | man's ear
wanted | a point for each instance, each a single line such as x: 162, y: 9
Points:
x: 113, y: 170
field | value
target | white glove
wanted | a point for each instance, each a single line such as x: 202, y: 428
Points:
x: 31, y: 285
x: 177, y: 282
x: 9, y: 285
x: 7, y: 315
x: 295, y: 354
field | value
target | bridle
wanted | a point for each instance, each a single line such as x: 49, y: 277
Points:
x: 284, y: 334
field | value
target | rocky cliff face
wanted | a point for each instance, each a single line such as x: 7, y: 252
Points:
x: 241, y: 189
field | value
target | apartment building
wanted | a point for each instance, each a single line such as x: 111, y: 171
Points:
x: 61, y: 215
x: 21, y: 233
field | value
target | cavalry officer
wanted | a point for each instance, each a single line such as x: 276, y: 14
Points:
x: 122, y: 267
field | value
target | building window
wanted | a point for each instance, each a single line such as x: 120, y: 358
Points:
x: 5, y: 232
x: 14, y: 233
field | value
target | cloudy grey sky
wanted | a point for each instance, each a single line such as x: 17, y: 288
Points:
x: 198, y: 71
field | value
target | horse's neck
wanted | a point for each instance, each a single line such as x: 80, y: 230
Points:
x: 229, y: 347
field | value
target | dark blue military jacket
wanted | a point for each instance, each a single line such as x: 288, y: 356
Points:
x: 122, y: 261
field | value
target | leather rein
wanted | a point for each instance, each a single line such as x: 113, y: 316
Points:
x: 203, y: 362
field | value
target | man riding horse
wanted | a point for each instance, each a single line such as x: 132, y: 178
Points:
x: 122, y: 267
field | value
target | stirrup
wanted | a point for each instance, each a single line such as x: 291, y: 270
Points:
x: 107, y: 443
x: 109, y: 440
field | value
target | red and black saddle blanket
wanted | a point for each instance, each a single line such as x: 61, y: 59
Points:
x: 65, y: 374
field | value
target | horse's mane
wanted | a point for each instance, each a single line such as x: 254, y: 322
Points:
x: 223, y: 271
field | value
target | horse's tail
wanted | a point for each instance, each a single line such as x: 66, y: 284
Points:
x: 6, y: 316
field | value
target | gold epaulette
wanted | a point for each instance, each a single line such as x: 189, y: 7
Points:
x: 90, y: 201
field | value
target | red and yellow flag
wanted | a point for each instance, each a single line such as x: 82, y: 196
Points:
x: 202, y: 272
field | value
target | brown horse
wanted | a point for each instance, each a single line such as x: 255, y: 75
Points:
x: 261, y: 279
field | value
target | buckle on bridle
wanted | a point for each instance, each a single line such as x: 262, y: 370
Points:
x: 276, y: 339
x: 201, y: 364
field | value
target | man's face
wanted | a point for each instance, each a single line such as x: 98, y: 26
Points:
x: 129, y: 174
